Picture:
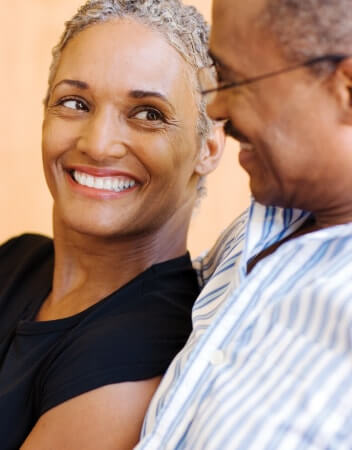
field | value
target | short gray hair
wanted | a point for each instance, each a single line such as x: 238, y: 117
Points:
x: 310, y: 28
x: 182, y: 26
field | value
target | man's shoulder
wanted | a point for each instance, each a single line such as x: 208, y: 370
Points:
x: 228, y: 247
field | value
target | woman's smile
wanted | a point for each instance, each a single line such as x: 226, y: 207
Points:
x: 98, y: 182
x: 115, y: 184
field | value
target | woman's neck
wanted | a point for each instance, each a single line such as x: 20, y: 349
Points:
x: 92, y: 267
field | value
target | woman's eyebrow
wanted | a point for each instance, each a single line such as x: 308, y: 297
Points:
x: 76, y: 83
x: 143, y: 94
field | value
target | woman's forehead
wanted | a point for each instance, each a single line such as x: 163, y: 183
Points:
x: 122, y: 49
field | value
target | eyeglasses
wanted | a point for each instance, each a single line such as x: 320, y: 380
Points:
x: 210, y: 86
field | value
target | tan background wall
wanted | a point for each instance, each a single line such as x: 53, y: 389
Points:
x: 29, y: 29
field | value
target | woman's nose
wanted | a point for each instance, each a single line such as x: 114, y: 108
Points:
x: 104, y: 136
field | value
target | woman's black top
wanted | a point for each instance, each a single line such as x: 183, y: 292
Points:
x: 133, y: 334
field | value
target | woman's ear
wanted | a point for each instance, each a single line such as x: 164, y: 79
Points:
x: 211, y: 150
x: 343, y: 87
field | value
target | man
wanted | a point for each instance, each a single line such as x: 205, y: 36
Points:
x: 269, y: 364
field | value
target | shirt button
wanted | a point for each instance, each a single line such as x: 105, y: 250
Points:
x: 217, y: 357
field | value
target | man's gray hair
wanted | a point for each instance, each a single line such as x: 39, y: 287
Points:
x: 182, y: 26
x: 310, y: 28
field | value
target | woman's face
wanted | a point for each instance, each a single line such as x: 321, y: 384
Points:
x: 120, y: 144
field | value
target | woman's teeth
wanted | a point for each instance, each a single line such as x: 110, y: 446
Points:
x: 116, y: 184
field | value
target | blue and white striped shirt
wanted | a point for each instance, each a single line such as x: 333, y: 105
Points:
x: 269, y: 363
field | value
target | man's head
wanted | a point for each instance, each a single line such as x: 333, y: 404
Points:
x: 296, y: 127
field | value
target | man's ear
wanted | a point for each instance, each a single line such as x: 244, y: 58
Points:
x: 212, y: 150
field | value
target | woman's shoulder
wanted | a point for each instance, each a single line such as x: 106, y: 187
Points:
x: 24, y: 244
x: 23, y: 254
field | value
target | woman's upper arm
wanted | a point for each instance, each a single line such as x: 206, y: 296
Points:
x: 109, y: 417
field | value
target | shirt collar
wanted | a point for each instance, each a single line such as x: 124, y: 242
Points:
x: 269, y: 224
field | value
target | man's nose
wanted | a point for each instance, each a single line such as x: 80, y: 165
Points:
x: 216, y: 108
x: 104, y: 136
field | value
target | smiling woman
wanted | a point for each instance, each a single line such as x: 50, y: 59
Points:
x: 91, y: 320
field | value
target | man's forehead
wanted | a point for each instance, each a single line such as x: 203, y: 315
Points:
x: 237, y: 13
x: 235, y: 25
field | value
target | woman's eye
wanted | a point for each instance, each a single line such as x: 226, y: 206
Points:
x: 75, y: 104
x: 150, y: 115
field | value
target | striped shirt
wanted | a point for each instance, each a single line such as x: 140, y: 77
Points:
x: 269, y: 363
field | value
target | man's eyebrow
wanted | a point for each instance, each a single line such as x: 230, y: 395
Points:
x: 140, y: 94
x: 216, y: 59
x: 223, y: 66
x: 75, y: 83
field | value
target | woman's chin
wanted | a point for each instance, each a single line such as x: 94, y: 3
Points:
x: 88, y: 226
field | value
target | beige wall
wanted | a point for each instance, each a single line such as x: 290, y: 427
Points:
x: 29, y: 29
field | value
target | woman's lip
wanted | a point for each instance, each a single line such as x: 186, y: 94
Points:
x: 101, y: 172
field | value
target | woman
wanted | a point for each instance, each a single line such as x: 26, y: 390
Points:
x: 91, y: 320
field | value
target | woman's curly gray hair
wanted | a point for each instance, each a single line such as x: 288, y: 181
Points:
x: 182, y: 26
